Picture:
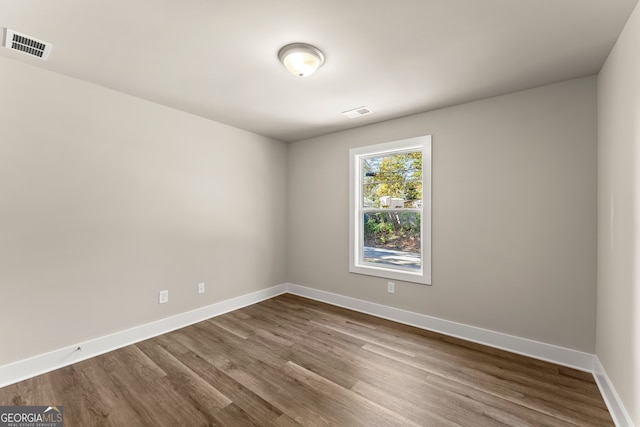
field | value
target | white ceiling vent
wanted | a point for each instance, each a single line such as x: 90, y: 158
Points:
x: 357, y: 112
x: 26, y: 44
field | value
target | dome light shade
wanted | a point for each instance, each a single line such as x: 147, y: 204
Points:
x: 301, y: 59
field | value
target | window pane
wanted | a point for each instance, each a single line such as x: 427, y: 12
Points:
x: 370, y: 196
x: 372, y: 164
x: 393, y: 181
x: 387, y: 238
x: 392, y: 238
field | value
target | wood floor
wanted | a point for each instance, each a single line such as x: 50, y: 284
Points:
x: 291, y: 361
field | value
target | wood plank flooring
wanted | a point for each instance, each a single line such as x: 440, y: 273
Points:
x: 290, y: 361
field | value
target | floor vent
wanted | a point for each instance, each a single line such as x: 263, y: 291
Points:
x: 26, y: 44
x: 357, y: 112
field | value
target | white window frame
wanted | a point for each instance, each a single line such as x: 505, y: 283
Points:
x: 356, y: 211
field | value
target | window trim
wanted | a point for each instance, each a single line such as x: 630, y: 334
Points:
x: 355, y: 209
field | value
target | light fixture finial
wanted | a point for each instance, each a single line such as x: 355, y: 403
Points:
x: 301, y: 59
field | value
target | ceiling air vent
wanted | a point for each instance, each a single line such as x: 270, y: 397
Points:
x: 357, y: 112
x: 26, y: 44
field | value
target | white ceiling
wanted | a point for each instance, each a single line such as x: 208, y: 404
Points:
x: 218, y: 58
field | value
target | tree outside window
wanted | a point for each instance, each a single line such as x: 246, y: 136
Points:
x: 390, y: 194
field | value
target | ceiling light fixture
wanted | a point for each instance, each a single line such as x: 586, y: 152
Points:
x: 301, y: 59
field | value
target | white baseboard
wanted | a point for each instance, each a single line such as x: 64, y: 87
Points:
x: 27, y: 368
x: 616, y: 408
x: 538, y: 350
x: 40, y: 364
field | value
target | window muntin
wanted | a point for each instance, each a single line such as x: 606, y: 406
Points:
x: 390, y: 226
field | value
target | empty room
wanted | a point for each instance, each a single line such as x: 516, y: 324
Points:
x: 346, y: 213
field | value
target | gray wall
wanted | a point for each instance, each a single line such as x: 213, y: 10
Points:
x: 618, y: 331
x: 514, y: 214
x: 106, y: 199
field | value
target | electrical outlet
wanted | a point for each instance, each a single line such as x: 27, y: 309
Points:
x: 163, y: 297
x: 391, y: 287
x: 201, y: 288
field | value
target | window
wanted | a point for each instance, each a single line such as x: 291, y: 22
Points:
x: 390, y: 210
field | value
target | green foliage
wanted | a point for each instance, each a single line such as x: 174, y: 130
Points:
x: 398, y: 175
x: 375, y: 224
x: 393, y: 230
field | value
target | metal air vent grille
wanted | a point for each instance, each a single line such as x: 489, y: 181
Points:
x: 357, y: 112
x: 26, y: 44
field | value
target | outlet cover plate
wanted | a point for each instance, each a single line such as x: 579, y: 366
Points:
x: 163, y: 297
